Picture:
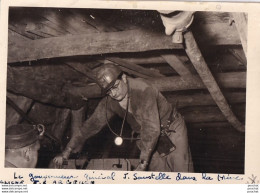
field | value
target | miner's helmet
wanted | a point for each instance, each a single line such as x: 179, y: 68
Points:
x: 107, y: 76
x: 22, y: 135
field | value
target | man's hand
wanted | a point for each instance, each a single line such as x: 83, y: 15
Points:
x: 58, y: 161
x: 142, y: 166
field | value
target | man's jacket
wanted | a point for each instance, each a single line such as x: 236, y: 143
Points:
x: 148, y: 109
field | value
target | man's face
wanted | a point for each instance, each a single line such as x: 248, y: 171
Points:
x: 118, y: 91
x: 34, y: 154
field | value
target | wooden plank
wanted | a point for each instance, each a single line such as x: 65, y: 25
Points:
x: 166, y: 84
x: 241, y: 24
x: 226, y: 80
x: 145, y: 60
x: 220, y: 124
x: 209, y: 114
x: 41, y: 34
x: 164, y: 69
x: 20, y: 30
x: 74, y: 45
x: 200, y: 65
x: 94, y: 20
x: 213, y: 28
x: 176, y: 64
x: 83, y: 69
x: 43, y: 29
x: 134, y: 67
x: 12, y: 116
x: 210, y: 34
x: 54, y: 27
x: 13, y: 36
x: 203, y: 99
x: 133, y: 73
x: 76, y: 22
x: 239, y: 55
x: 206, y: 17
x: 56, y: 17
x: 45, y: 83
x: 20, y: 20
x: 53, y: 84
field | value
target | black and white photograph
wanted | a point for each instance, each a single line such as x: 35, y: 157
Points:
x: 126, y: 89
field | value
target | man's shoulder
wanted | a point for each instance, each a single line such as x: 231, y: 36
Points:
x: 140, y: 84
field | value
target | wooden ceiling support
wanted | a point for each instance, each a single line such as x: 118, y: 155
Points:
x: 177, y: 64
x: 12, y: 117
x: 166, y: 84
x: 145, y: 60
x: 199, y: 99
x: 133, y: 72
x: 200, y: 65
x: 241, y: 24
x: 76, y: 45
x: 175, y: 83
x: 206, y: 125
x: 53, y: 84
x: 83, y: 69
x: 198, y: 114
x: 134, y: 67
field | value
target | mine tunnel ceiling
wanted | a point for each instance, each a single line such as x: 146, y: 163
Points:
x: 52, y: 54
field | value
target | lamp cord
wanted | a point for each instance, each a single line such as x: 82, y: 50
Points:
x: 122, y: 127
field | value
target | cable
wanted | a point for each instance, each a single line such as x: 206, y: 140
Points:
x: 121, y: 130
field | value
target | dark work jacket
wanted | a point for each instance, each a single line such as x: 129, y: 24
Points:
x: 148, y: 107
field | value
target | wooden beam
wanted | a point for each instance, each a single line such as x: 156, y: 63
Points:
x: 42, y: 30
x: 213, y: 28
x: 200, y: 65
x: 54, y: 84
x: 83, y: 69
x: 102, y: 26
x: 20, y: 30
x: 166, y: 84
x: 89, y: 44
x: 239, y: 55
x: 134, y: 67
x: 145, y: 60
x: 164, y: 69
x: 241, y: 24
x: 94, y: 20
x: 220, y: 124
x: 56, y: 17
x: 209, y: 113
x: 133, y: 73
x: 203, y: 99
x: 45, y: 83
x: 216, y: 34
x: 226, y: 80
x: 76, y: 22
x: 177, y: 64
x: 13, y: 37
x: 12, y: 116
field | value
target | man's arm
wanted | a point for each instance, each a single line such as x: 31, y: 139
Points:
x: 150, y: 128
x: 89, y: 128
